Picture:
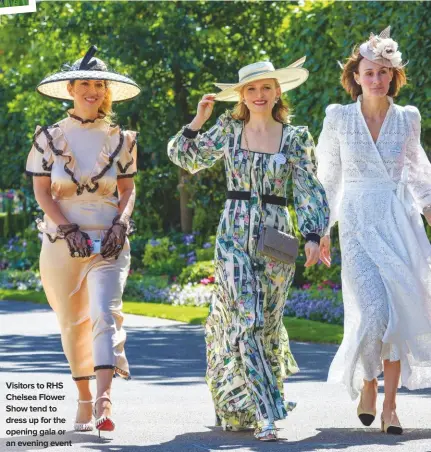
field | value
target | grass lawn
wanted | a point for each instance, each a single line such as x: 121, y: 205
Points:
x: 298, y: 329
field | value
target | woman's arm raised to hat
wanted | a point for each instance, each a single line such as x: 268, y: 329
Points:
x: 205, y: 109
x: 194, y: 151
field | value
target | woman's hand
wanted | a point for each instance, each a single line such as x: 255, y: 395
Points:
x: 312, y: 253
x: 205, y: 108
x: 115, y: 237
x: 78, y: 242
x: 325, y: 250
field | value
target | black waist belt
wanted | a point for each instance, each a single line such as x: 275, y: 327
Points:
x: 267, y: 199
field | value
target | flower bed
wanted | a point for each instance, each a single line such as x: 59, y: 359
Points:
x: 321, y: 303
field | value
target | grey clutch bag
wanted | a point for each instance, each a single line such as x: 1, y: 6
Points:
x: 278, y: 245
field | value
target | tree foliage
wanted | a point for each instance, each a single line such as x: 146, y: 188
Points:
x: 175, y: 51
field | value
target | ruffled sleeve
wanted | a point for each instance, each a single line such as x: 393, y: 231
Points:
x: 40, y: 159
x: 194, y: 153
x: 127, y: 157
x: 417, y: 163
x: 309, y: 196
x: 329, y: 169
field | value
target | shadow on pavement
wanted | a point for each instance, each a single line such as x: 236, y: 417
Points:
x: 217, y: 440
x: 169, y: 355
x: 13, y: 307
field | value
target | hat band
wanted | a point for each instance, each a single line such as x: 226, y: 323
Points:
x: 253, y: 74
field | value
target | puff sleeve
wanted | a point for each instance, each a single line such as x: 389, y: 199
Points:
x: 417, y: 162
x: 127, y: 158
x: 202, y: 151
x: 40, y: 159
x: 309, y: 196
x: 329, y: 169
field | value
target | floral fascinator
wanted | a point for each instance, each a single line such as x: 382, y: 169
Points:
x: 382, y: 49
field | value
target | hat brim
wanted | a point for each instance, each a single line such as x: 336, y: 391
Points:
x: 55, y: 86
x: 289, y: 78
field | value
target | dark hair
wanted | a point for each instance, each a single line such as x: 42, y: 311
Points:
x: 280, y: 111
x: 351, y: 67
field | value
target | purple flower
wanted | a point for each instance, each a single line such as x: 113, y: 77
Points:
x: 188, y: 239
x: 172, y: 248
x: 153, y: 242
x: 191, y: 260
x: 206, y: 245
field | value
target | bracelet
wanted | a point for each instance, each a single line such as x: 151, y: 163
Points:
x: 123, y: 220
x: 63, y: 230
x: 312, y: 237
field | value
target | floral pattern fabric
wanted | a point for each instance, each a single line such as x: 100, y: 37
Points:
x: 248, y: 353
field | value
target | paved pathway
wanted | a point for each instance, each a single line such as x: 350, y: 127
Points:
x: 166, y: 407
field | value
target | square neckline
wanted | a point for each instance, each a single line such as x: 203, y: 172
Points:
x: 282, y: 142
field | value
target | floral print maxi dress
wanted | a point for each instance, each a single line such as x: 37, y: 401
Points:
x: 248, y: 354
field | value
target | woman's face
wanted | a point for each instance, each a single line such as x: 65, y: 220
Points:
x: 260, y: 96
x: 374, y: 79
x: 88, y: 95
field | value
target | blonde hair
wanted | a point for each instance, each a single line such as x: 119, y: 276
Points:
x: 280, y: 111
x: 106, y: 108
x: 351, y: 67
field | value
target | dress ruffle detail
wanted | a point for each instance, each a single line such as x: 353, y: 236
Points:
x: 50, y: 140
x: 130, y: 162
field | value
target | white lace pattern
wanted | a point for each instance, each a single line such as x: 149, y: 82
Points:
x: 376, y: 192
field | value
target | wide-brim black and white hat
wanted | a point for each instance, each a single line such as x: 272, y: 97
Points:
x: 88, y: 68
x: 289, y: 78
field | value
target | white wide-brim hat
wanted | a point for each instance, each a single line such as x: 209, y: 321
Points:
x: 88, y: 68
x: 289, y: 78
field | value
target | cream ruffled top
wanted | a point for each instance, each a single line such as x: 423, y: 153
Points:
x: 84, y: 159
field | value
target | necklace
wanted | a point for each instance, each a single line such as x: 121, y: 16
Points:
x: 246, y: 141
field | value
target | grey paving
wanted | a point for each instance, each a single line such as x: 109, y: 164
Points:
x: 166, y: 406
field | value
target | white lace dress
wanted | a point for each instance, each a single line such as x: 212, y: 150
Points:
x: 376, y: 192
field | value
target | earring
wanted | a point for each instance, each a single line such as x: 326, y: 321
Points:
x: 276, y: 100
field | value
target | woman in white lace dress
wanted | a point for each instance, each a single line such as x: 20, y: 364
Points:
x: 378, y: 181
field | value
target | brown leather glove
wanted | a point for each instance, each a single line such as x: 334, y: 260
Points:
x: 78, y: 242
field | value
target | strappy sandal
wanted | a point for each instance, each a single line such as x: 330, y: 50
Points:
x: 103, y: 423
x: 83, y: 426
x: 266, y: 433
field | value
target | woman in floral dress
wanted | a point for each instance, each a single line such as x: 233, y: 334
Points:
x: 248, y: 354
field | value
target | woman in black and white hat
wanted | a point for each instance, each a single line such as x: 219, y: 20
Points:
x: 248, y: 354
x: 77, y: 165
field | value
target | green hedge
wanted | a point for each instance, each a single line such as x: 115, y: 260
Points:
x: 13, y: 223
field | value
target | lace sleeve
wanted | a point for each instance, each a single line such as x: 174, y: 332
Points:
x: 329, y: 170
x: 202, y: 151
x: 40, y: 158
x: 309, y: 196
x: 419, y: 166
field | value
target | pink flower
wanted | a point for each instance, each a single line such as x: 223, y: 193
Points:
x: 306, y: 286
x: 205, y: 281
x: 211, y: 279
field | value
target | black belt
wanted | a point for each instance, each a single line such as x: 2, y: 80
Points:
x: 267, y: 199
